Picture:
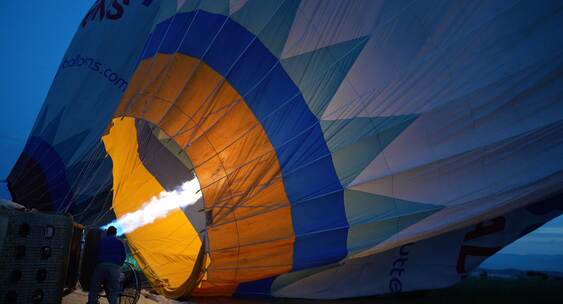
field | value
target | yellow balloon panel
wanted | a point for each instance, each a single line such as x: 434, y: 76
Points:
x: 166, y: 248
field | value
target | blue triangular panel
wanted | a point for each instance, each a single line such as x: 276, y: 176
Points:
x: 355, y: 142
x: 48, y: 134
x: 374, y: 218
x: 69, y: 146
x: 215, y: 6
x: 40, y: 122
x: 269, y: 20
x: 319, y: 73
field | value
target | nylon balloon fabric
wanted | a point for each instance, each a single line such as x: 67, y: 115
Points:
x: 342, y: 148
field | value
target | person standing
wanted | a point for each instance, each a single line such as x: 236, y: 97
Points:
x: 111, y: 255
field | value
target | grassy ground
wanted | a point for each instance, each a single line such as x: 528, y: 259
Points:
x: 471, y: 290
x: 493, y: 290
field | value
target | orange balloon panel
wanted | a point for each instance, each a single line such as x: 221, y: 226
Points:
x: 251, y: 234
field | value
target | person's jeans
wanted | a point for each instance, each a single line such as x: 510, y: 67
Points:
x: 108, y: 274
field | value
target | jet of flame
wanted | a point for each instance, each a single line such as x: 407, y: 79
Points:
x: 158, y: 207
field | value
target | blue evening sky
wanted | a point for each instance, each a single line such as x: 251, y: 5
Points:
x: 35, y: 35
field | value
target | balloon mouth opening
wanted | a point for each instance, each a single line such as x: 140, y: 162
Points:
x: 157, y: 202
x: 168, y: 166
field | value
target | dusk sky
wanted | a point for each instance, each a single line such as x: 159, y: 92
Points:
x: 35, y: 35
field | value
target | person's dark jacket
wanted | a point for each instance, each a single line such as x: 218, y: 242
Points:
x: 111, y: 250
